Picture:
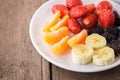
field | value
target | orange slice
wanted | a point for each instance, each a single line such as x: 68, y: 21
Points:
x: 78, y: 39
x: 54, y: 20
x: 55, y: 36
x: 62, y: 23
x: 60, y: 47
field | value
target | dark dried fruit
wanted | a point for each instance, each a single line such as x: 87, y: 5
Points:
x: 113, y: 30
x: 97, y: 29
x: 109, y: 37
x: 116, y: 46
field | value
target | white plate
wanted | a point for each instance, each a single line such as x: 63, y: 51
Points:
x: 39, y: 19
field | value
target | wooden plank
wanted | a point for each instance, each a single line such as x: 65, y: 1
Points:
x: 55, y: 73
x: 112, y: 74
x: 46, y: 74
x: 18, y: 59
x: 62, y: 74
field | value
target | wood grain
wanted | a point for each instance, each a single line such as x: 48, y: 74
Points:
x: 19, y: 60
x: 62, y: 74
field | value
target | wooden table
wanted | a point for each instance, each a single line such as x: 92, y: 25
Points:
x: 19, y: 60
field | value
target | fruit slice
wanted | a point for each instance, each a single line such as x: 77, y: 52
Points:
x: 78, y: 11
x: 106, y: 18
x: 62, y: 23
x: 104, y: 56
x: 55, y: 36
x: 74, y: 26
x: 103, y: 5
x: 91, y: 8
x: 78, y: 38
x: 72, y: 3
x: 60, y: 47
x: 51, y: 22
x: 60, y: 7
x: 90, y: 21
x: 95, y: 40
x: 82, y: 54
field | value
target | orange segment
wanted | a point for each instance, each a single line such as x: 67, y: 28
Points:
x: 78, y: 39
x: 55, y: 36
x: 62, y: 23
x: 54, y: 20
x: 61, y: 46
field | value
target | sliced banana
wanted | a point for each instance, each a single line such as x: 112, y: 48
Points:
x: 82, y: 54
x: 96, y: 41
x: 104, y: 56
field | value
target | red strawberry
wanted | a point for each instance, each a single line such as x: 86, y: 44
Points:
x: 106, y: 18
x: 90, y: 21
x: 91, y: 8
x: 78, y: 11
x: 103, y: 5
x: 74, y: 26
x: 72, y: 3
x: 60, y: 7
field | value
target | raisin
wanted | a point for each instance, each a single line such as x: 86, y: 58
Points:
x: 109, y: 37
x: 97, y: 29
x: 116, y: 46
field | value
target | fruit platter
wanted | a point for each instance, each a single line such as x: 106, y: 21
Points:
x: 78, y: 35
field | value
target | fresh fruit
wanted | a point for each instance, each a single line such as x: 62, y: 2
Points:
x: 106, y: 18
x: 91, y: 8
x: 103, y: 5
x: 104, y: 56
x: 78, y: 38
x: 78, y: 11
x: 90, y: 21
x: 61, y: 46
x: 97, y: 29
x: 82, y: 54
x: 60, y: 7
x: 74, y: 26
x: 72, y: 3
x: 61, y: 23
x: 55, y: 36
x: 96, y: 41
x: 51, y: 22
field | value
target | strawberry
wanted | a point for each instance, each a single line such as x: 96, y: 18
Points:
x: 91, y: 8
x: 74, y: 26
x: 60, y: 7
x: 106, y: 18
x: 72, y: 3
x: 90, y: 21
x: 103, y: 5
x: 78, y: 11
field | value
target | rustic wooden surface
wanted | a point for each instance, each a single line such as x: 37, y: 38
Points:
x: 19, y: 60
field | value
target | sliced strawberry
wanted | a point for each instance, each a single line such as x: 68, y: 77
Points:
x: 78, y: 11
x: 60, y: 7
x: 103, y: 5
x: 72, y: 3
x: 91, y: 8
x: 106, y: 18
x: 90, y: 21
x: 74, y: 26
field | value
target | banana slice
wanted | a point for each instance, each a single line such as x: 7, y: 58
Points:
x: 82, y: 54
x: 104, y: 56
x: 96, y: 41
